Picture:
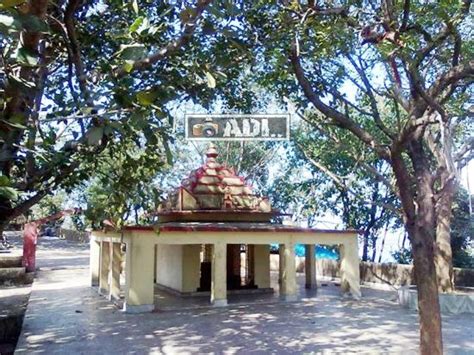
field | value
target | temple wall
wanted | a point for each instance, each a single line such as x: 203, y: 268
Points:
x: 191, y: 267
x: 169, y: 266
x: 262, y: 266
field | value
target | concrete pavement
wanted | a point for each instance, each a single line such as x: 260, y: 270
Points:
x: 66, y: 316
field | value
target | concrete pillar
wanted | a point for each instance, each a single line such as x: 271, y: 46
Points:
x: 310, y: 266
x: 262, y: 265
x: 288, y: 282
x: 350, y: 274
x: 281, y: 263
x: 94, y: 262
x: 139, y: 265
x: 191, y: 267
x: 219, y: 275
x: 115, y: 261
x: 104, y: 268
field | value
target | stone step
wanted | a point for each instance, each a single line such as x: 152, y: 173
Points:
x: 7, y: 261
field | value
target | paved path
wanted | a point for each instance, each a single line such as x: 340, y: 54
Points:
x: 66, y: 316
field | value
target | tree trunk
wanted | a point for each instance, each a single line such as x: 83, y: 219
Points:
x: 428, y: 300
x: 443, y: 252
x: 365, y: 247
x: 416, y: 195
x: 444, y: 255
x: 383, y: 243
x: 421, y: 228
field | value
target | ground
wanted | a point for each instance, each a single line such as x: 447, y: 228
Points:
x: 65, y: 315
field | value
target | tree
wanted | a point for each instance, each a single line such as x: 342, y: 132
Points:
x: 339, y: 186
x: 123, y: 187
x: 79, y: 76
x: 415, y: 60
x: 462, y: 232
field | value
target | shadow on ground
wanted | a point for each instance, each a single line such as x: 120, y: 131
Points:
x: 67, y: 316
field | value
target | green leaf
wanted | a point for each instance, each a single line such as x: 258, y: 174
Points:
x: 95, y: 135
x: 4, y: 180
x: 26, y: 57
x: 136, y: 24
x: 9, y: 193
x: 211, y: 82
x: 146, y: 98
x: 9, y: 24
x: 131, y: 51
x: 135, y: 6
x: 128, y: 65
x: 33, y: 23
x: 14, y: 124
x: 5, y: 4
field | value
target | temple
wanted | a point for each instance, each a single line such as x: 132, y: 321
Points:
x: 213, y: 237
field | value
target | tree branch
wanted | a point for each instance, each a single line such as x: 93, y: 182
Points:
x: 452, y: 77
x: 172, y: 47
x: 373, y: 102
x: 338, y: 118
x: 406, y: 15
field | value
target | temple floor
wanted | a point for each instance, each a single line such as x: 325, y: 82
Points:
x: 65, y: 315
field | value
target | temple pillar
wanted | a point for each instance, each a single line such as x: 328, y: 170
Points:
x: 310, y: 266
x: 281, y: 263
x: 219, y: 275
x: 288, y: 282
x: 139, y: 265
x: 250, y: 265
x: 104, y: 268
x: 350, y: 273
x: 115, y: 261
x: 261, y: 257
x: 94, y: 261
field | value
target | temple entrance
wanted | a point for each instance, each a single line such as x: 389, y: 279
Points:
x: 240, y: 267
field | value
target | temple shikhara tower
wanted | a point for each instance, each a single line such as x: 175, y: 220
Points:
x: 213, y: 237
x: 214, y: 192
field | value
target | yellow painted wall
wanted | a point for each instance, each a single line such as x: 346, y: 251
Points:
x: 191, y: 267
x: 169, y: 266
x: 262, y: 266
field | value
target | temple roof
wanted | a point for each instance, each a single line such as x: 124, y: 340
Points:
x: 215, y: 187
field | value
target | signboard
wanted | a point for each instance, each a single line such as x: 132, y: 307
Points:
x: 230, y: 127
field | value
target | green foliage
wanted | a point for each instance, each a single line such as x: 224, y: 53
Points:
x: 462, y: 231
x: 49, y: 205
x: 123, y: 186
x: 78, y: 101
x: 403, y: 256
x: 462, y: 234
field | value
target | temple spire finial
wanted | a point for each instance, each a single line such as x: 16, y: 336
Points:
x: 211, y: 151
